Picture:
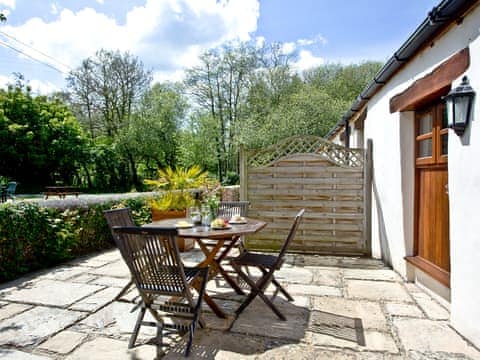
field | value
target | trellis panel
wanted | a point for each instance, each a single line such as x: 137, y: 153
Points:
x: 328, y: 180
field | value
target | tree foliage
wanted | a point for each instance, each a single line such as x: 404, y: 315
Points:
x: 220, y: 87
x: 238, y: 94
x: 251, y: 95
x: 111, y: 95
x: 41, y: 141
x: 152, y: 133
x: 106, y: 89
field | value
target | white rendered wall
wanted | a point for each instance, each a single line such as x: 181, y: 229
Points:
x: 393, y: 177
x: 464, y: 193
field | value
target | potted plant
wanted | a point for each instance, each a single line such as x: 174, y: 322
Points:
x: 177, y: 185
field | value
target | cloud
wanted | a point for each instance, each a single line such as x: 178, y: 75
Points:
x: 54, y: 9
x: 306, y: 60
x: 42, y: 87
x: 163, y: 76
x: 8, y: 3
x: 318, y: 39
x: 37, y: 86
x: 101, y: 2
x: 288, y: 48
x: 5, y: 80
x: 260, y: 41
x: 168, y: 35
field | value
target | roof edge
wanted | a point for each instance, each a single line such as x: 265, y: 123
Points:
x: 437, y: 19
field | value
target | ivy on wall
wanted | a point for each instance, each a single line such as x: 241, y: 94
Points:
x: 34, y: 237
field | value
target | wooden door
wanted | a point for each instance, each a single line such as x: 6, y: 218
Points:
x: 432, y: 250
x: 433, y: 242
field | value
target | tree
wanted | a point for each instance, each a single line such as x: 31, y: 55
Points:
x: 343, y: 81
x: 152, y: 133
x: 106, y: 91
x: 41, y: 141
x: 197, y: 147
x: 309, y: 106
x: 220, y: 86
x: 3, y: 18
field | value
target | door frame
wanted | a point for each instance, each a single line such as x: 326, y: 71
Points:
x: 437, y: 161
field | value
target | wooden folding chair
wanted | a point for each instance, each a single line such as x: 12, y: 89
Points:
x: 153, y: 257
x: 230, y: 208
x: 119, y: 217
x: 227, y: 209
x: 267, y: 264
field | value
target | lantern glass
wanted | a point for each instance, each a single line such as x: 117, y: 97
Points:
x: 462, y: 106
x: 459, y: 103
x: 450, y: 113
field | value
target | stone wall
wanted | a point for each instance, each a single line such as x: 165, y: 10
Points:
x: 231, y: 193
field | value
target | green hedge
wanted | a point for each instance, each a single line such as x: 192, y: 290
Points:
x: 34, y: 237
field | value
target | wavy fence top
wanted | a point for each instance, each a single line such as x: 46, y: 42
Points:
x: 313, y: 145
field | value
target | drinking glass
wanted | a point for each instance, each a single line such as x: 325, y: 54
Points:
x: 205, y: 214
x: 193, y: 213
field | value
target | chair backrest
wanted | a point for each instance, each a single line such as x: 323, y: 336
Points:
x: 290, y: 237
x: 118, y: 217
x: 11, y: 187
x: 230, y: 208
x: 153, y: 258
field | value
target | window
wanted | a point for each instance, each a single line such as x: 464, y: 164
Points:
x: 431, y: 135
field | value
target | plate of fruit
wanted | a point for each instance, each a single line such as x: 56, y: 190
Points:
x: 237, y: 219
x: 182, y: 224
x: 219, y: 224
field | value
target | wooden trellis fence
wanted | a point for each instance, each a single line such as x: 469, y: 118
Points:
x: 331, y: 182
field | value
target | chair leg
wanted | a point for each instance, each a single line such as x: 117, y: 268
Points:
x: 270, y: 304
x: 277, y: 285
x: 257, y: 288
x: 133, y: 338
x: 160, y: 352
x: 123, y: 291
x: 247, y: 302
x: 253, y: 292
x: 190, y: 339
x: 282, y: 290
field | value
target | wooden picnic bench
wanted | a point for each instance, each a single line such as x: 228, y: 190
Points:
x: 60, y: 191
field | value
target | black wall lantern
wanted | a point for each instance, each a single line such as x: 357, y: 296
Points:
x: 459, y: 106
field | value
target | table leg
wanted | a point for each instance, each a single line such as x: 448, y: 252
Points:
x: 207, y: 262
x: 216, y: 262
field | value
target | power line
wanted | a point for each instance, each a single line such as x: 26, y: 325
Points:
x: 38, y: 51
x: 33, y: 58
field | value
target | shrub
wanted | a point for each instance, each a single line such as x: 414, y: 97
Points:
x: 34, y: 237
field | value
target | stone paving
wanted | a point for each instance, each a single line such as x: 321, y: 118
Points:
x: 344, y: 308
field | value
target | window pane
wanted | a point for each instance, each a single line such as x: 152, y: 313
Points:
x: 444, y: 144
x: 425, y: 148
x: 444, y: 118
x: 425, y: 123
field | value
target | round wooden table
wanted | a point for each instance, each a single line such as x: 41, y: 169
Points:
x: 225, y: 240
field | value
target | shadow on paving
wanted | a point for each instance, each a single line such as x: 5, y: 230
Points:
x: 258, y: 330
x: 338, y: 326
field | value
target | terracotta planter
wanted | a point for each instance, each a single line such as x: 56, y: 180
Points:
x: 168, y: 214
x: 183, y: 244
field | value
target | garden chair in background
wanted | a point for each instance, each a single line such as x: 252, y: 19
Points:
x: 227, y: 209
x: 10, y: 190
x: 153, y: 257
x: 267, y: 264
x: 119, y: 217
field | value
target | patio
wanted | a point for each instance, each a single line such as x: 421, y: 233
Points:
x: 345, y: 308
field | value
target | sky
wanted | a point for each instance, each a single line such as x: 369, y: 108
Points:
x: 44, y: 40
